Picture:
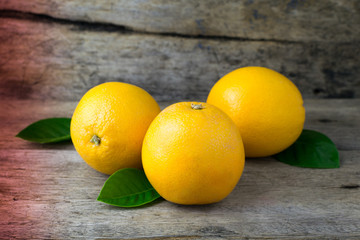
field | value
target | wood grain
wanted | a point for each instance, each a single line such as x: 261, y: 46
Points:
x: 47, y: 191
x: 53, y: 195
x: 61, y: 61
x: 315, y: 20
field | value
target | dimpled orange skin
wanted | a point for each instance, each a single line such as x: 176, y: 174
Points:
x: 119, y: 114
x: 193, y: 156
x: 265, y: 105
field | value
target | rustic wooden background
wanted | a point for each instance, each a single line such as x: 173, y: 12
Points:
x: 55, y: 49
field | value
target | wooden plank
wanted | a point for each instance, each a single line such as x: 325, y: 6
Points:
x: 320, y: 112
x: 333, y: 112
x: 41, y: 60
x: 321, y: 20
x: 345, y: 138
x: 338, y: 119
x: 47, y: 191
x: 52, y: 194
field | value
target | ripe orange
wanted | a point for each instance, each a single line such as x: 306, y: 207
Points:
x: 193, y: 154
x: 265, y: 105
x: 109, y: 125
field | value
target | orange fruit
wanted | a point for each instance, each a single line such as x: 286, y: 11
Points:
x: 193, y: 154
x: 266, y: 107
x: 109, y: 125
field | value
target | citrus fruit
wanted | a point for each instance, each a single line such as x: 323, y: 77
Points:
x: 193, y: 154
x: 265, y: 105
x: 109, y: 125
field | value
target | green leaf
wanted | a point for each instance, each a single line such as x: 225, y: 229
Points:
x: 48, y: 130
x: 127, y: 187
x: 311, y: 150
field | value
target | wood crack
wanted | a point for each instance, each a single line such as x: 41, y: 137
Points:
x: 350, y: 186
x: 80, y: 25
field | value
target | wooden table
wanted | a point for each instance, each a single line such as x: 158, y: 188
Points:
x: 47, y: 191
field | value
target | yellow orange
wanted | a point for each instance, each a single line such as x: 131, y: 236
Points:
x: 109, y: 125
x: 265, y: 105
x: 193, y: 154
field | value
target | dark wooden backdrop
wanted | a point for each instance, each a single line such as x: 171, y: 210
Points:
x: 55, y: 49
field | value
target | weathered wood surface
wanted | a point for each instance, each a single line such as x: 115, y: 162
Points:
x: 56, y: 61
x: 175, y: 49
x: 291, y: 20
x: 47, y: 191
